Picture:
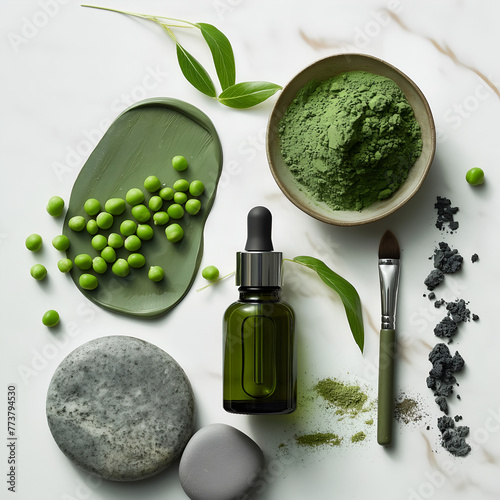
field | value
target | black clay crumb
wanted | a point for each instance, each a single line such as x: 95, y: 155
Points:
x: 447, y: 260
x: 475, y: 317
x: 453, y: 438
x: 474, y: 258
x: 431, y: 296
x: 445, y: 214
x: 434, y: 279
x: 457, y: 418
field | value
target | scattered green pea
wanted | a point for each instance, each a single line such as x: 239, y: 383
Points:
x: 144, y: 232
x: 99, y: 242
x: 475, y: 176
x: 175, y: 211
x: 132, y: 243
x: 152, y: 183
x: 134, y: 196
x: 38, y: 271
x: 179, y: 163
x: 181, y: 185
x: 55, y: 206
x: 50, y: 318
x: 34, y: 242
x: 108, y: 254
x: 115, y: 206
x: 104, y: 220
x: 65, y: 265
x: 83, y: 261
x: 161, y: 218
x: 174, y: 233
x: 141, y: 213
x: 180, y: 198
x: 166, y: 193
x: 156, y: 273
x: 210, y: 273
x: 155, y: 203
x: 60, y: 242
x: 77, y: 223
x: 136, y: 260
x: 92, y: 227
x: 99, y: 265
x: 192, y: 206
x: 121, y: 268
x: 196, y: 188
x: 128, y: 227
x: 115, y: 240
x: 88, y: 281
x: 92, y: 206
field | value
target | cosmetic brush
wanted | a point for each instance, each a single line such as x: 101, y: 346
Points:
x: 388, y: 267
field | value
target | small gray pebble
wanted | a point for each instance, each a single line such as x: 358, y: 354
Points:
x: 220, y: 463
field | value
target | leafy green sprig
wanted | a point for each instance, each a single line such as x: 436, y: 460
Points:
x: 235, y: 95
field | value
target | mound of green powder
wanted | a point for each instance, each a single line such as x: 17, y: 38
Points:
x: 359, y: 436
x: 350, y: 140
x: 346, y: 398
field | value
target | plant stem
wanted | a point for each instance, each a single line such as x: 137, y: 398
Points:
x: 213, y: 282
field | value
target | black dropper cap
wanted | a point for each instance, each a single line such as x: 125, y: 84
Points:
x: 259, y: 266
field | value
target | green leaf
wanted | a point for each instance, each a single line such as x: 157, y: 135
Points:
x: 194, y: 72
x: 247, y: 94
x: 222, y: 54
x: 346, y: 291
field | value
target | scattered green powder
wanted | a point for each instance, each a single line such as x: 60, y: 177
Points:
x: 407, y: 410
x: 369, y: 422
x: 359, y: 436
x: 350, y: 140
x: 318, y: 439
x: 348, y: 399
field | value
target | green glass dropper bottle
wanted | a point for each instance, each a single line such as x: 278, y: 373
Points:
x: 260, y: 371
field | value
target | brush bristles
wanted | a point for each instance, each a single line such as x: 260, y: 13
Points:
x: 389, y: 247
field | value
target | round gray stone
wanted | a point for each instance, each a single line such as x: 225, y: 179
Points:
x: 120, y: 408
x: 220, y: 463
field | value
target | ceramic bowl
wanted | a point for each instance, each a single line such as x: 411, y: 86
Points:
x: 323, y: 70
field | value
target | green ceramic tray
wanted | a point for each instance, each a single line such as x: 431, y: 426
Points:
x: 142, y: 141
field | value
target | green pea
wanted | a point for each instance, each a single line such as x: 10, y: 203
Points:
x: 144, y: 232
x: 115, y: 240
x: 156, y: 273
x: 180, y: 198
x: 141, y: 213
x: 179, y: 163
x: 88, y: 281
x: 115, y: 206
x: 65, y: 265
x: 181, y: 185
x: 155, y: 203
x: 475, y: 176
x: 175, y: 211
x: 60, y: 242
x: 128, y: 227
x: 136, y: 260
x: 210, y: 273
x: 196, y: 188
x: 104, y: 220
x: 132, y: 243
x: 134, y: 196
x: 166, y: 193
x: 192, y: 206
x: 92, y: 226
x: 55, y: 206
x: 161, y: 218
x: 77, y: 223
x: 152, y: 183
x: 108, y: 254
x: 99, y: 242
x: 38, y: 271
x: 34, y: 242
x: 50, y: 318
x: 99, y: 265
x: 121, y: 268
x: 174, y: 233
x: 92, y: 206
x: 83, y: 261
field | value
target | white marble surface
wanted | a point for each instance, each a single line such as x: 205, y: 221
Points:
x: 68, y: 72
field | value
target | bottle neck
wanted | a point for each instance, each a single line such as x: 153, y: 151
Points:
x: 264, y: 294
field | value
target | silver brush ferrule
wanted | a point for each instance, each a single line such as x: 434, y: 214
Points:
x: 388, y: 271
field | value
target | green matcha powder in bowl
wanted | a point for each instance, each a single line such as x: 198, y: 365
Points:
x: 350, y: 139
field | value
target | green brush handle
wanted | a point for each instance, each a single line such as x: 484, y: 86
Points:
x: 385, y: 414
